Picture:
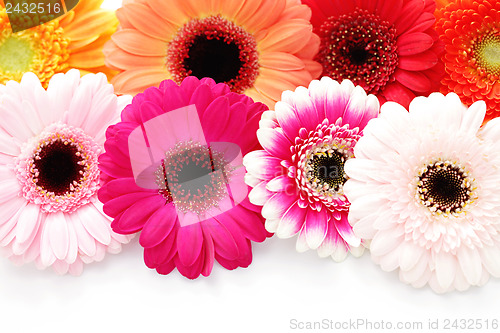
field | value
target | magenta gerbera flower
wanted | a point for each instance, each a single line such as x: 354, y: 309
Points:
x: 175, y: 174
x: 387, y: 47
x: 298, y: 178
x: 50, y: 141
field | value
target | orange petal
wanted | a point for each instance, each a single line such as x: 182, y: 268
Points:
x: 258, y: 97
x: 281, y: 61
x: 266, y: 15
x: 87, y: 59
x: 136, y: 80
x: 123, y: 60
x: 287, y: 36
x: 170, y: 11
x: 137, y: 43
x: 144, y: 19
x: 90, y: 24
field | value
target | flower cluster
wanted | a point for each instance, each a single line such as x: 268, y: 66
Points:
x: 353, y: 125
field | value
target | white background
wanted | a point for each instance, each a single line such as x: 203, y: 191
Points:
x: 121, y: 294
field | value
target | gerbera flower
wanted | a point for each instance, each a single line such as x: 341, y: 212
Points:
x: 424, y: 189
x: 470, y: 30
x: 257, y: 47
x: 74, y: 40
x: 387, y: 47
x: 49, y: 144
x: 299, y: 176
x: 185, y: 199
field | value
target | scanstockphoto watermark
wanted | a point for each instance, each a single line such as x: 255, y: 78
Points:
x: 370, y: 325
x: 361, y: 324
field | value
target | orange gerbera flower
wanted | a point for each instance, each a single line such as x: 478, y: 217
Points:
x: 470, y: 30
x: 259, y: 47
x: 74, y: 40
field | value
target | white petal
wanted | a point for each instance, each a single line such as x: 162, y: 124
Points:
x: 446, y: 266
x: 470, y: 263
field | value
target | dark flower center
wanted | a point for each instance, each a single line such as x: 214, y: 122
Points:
x: 360, y: 47
x: 193, y: 176
x: 444, y: 188
x: 329, y: 169
x: 59, y: 167
x: 213, y: 58
x: 217, y: 48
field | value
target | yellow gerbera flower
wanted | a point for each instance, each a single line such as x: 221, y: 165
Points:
x: 74, y: 40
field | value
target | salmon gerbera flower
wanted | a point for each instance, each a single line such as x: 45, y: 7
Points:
x: 387, y: 47
x: 74, y: 40
x: 259, y: 48
x: 470, y: 30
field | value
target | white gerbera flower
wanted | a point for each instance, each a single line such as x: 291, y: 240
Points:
x: 423, y: 189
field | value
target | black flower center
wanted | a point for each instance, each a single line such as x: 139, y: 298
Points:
x: 59, y: 167
x: 444, y: 188
x: 328, y: 168
x: 213, y: 58
x: 357, y: 54
x: 217, y: 48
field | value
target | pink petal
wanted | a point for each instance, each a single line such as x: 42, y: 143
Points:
x: 225, y: 245
x: 158, y: 226
x: 133, y: 219
x: 215, y: 117
x: 288, y: 120
x: 291, y: 222
x: 277, y: 205
x: 189, y: 243
x: 345, y: 230
x: 316, y: 227
x: 275, y: 142
x: 161, y: 253
x: 58, y: 234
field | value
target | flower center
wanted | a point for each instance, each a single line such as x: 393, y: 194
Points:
x: 359, y: 46
x: 486, y: 54
x: 58, y: 168
x: 325, y: 169
x: 445, y: 188
x: 16, y: 55
x: 319, y: 170
x: 42, y: 50
x: 217, y: 48
x: 193, y: 176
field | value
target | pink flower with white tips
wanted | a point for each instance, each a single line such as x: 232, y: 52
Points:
x: 50, y: 141
x: 298, y: 178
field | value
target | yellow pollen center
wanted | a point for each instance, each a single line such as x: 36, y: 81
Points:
x: 487, y: 54
x: 16, y: 55
x: 42, y: 50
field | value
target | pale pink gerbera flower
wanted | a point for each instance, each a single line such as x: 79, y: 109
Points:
x: 49, y: 144
x: 298, y: 178
x: 424, y: 189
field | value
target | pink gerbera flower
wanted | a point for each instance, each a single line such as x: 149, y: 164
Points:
x: 298, y: 178
x: 174, y: 173
x: 387, y: 47
x: 50, y: 141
